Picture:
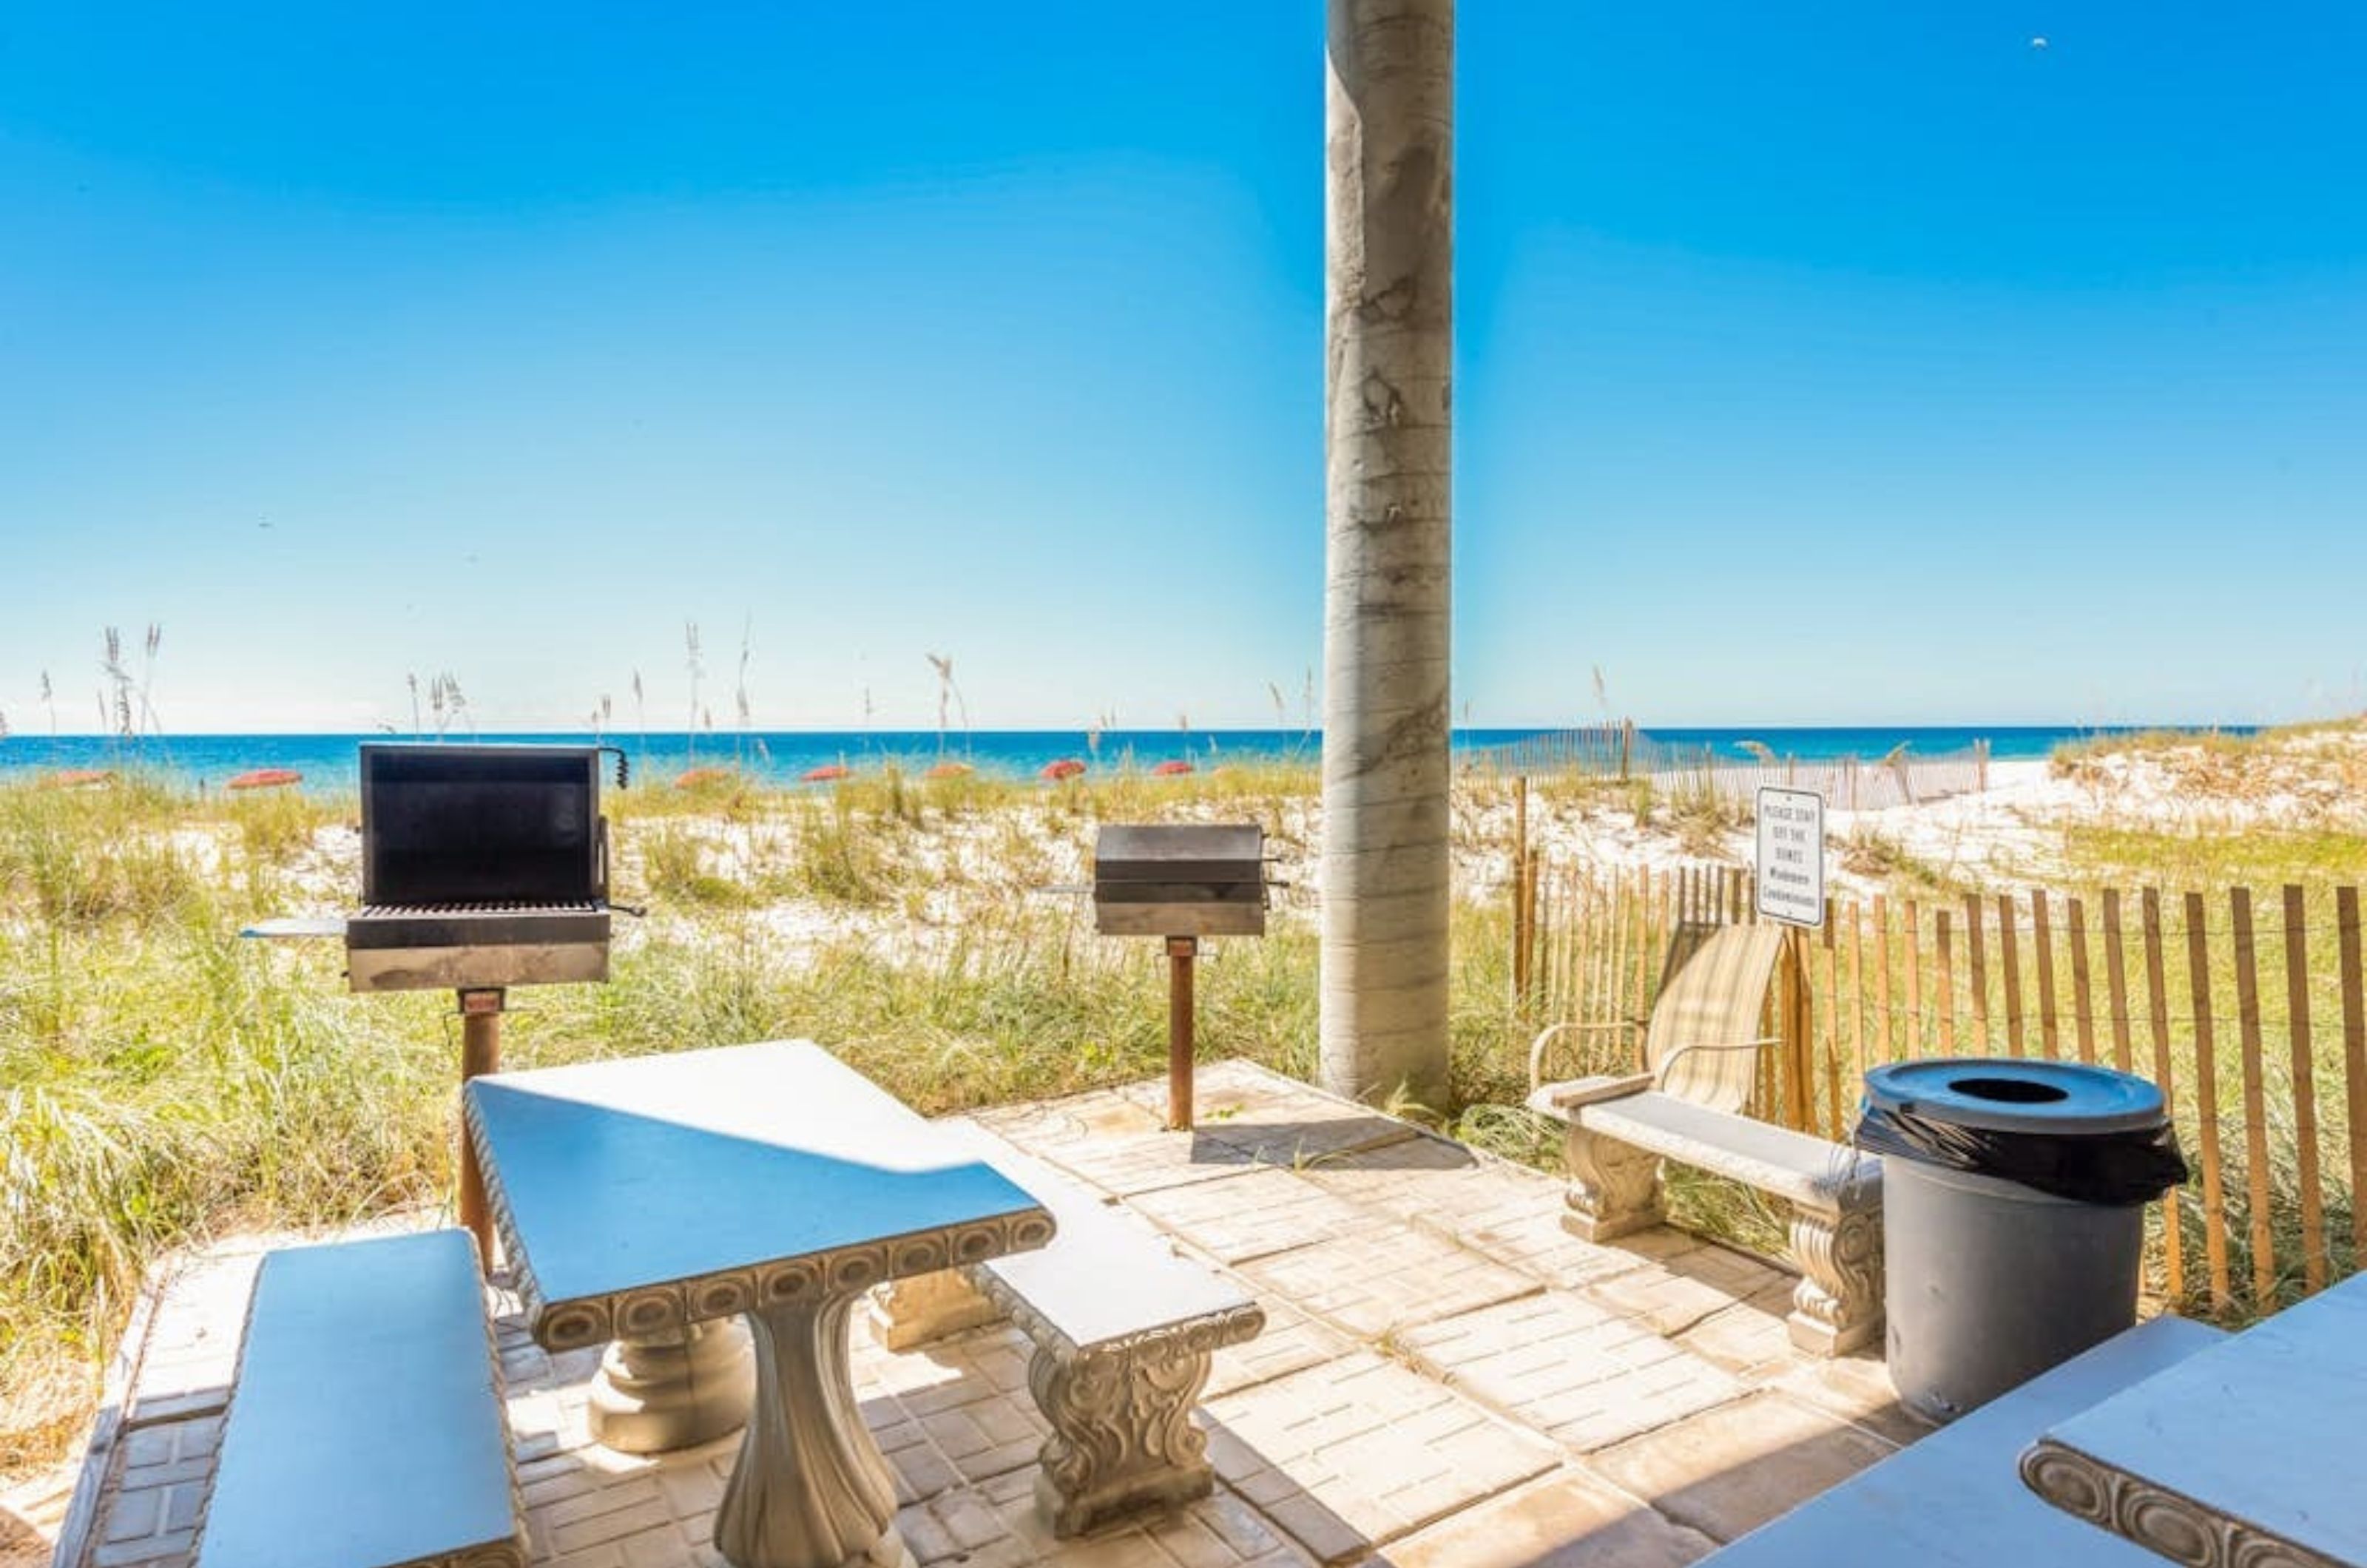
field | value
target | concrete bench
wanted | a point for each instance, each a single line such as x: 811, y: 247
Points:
x: 365, y: 1428
x: 1955, y: 1498
x: 1615, y: 1146
x: 1123, y: 1330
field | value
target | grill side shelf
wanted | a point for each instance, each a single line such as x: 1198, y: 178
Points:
x: 295, y: 928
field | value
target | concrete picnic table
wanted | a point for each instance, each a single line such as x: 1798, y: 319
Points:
x: 2244, y: 1454
x: 647, y: 1197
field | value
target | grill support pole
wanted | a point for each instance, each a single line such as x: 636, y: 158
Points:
x: 480, y: 1053
x: 1181, y: 950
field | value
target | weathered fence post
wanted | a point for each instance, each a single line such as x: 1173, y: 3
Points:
x: 1519, y: 891
x: 2173, y: 1235
x: 2256, y: 1127
x: 2206, y: 1104
x: 2354, y: 1058
x: 2304, y: 1088
x: 1799, y: 1019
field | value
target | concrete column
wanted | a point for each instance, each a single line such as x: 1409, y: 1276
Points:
x: 1389, y: 303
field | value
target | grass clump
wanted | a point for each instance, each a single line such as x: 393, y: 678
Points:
x: 846, y: 855
x: 75, y: 861
x: 679, y: 866
x: 1869, y: 852
x: 2258, y: 857
x: 2068, y: 754
x: 1705, y: 817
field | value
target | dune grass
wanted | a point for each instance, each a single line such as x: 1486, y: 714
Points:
x: 2257, y: 857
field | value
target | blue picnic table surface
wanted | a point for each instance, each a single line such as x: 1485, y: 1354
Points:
x: 729, y: 1169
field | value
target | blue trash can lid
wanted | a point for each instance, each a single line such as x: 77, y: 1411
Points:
x: 2015, y: 1095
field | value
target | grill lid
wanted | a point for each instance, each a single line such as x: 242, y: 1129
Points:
x: 1189, y: 851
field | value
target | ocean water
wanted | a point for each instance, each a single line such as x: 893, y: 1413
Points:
x: 328, y: 762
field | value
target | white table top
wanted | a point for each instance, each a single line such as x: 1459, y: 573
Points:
x: 2254, y: 1438
x: 637, y: 1195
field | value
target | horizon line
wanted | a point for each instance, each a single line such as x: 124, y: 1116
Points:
x: 612, y: 734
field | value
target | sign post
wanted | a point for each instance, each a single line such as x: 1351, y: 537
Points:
x: 1792, y: 890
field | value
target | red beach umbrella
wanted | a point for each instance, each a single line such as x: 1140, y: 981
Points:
x: 693, y: 777
x: 1174, y: 767
x: 78, y: 778
x: 950, y: 771
x: 1064, y: 768
x: 827, y: 772
x: 264, y: 778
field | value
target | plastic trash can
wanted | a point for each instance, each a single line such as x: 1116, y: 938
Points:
x: 2013, y: 1218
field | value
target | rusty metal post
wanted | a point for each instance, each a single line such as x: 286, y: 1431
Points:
x: 1181, y: 950
x: 480, y: 1052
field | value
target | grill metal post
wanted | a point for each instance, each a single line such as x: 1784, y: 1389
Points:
x: 1181, y: 950
x: 1181, y: 882
x: 480, y: 1053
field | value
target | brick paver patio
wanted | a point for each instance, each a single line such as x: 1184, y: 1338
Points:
x: 1447, y: 1378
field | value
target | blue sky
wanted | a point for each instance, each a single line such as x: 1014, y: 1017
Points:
x: 1851, y: 363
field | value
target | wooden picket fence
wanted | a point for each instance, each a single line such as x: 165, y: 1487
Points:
x: 1618, y: 751
x: 2250, y: 1011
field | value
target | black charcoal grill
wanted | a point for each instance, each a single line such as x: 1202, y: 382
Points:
x: 483, y: 866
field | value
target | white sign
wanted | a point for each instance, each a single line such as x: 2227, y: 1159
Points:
x: 1792, y: 856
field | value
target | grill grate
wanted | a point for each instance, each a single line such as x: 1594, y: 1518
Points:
x: 511, y: 924
x: 486, y: 907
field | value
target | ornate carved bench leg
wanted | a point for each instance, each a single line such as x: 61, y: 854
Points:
x: 1838, y: 1304
x: 1615, y: 1188
x: 1122, y: 1434
x: 925, y: 1307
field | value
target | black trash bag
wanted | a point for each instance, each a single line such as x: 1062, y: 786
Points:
x: 2115, y: 1169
